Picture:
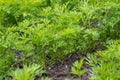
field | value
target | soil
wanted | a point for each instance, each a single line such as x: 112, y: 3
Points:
x: 61, y: 70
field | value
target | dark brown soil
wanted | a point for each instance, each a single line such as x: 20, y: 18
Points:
x: 61, y: 70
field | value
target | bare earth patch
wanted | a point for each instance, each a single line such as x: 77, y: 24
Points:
x: 62, y: 70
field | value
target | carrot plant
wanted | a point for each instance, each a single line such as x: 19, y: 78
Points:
x: 105, y: 64
x: 77, y: 69
x: 47, y: 31
x: 27, y: 73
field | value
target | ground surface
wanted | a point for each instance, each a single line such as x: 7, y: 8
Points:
x: 61, y: 70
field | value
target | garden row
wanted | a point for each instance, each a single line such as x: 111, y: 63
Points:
x: 35, y: 34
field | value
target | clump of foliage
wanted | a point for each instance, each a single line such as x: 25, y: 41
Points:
x: 27, y: 73
x: 46, y: 31
x: 77, y: 68
x: 6, y: 60
x: 105, y: 64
